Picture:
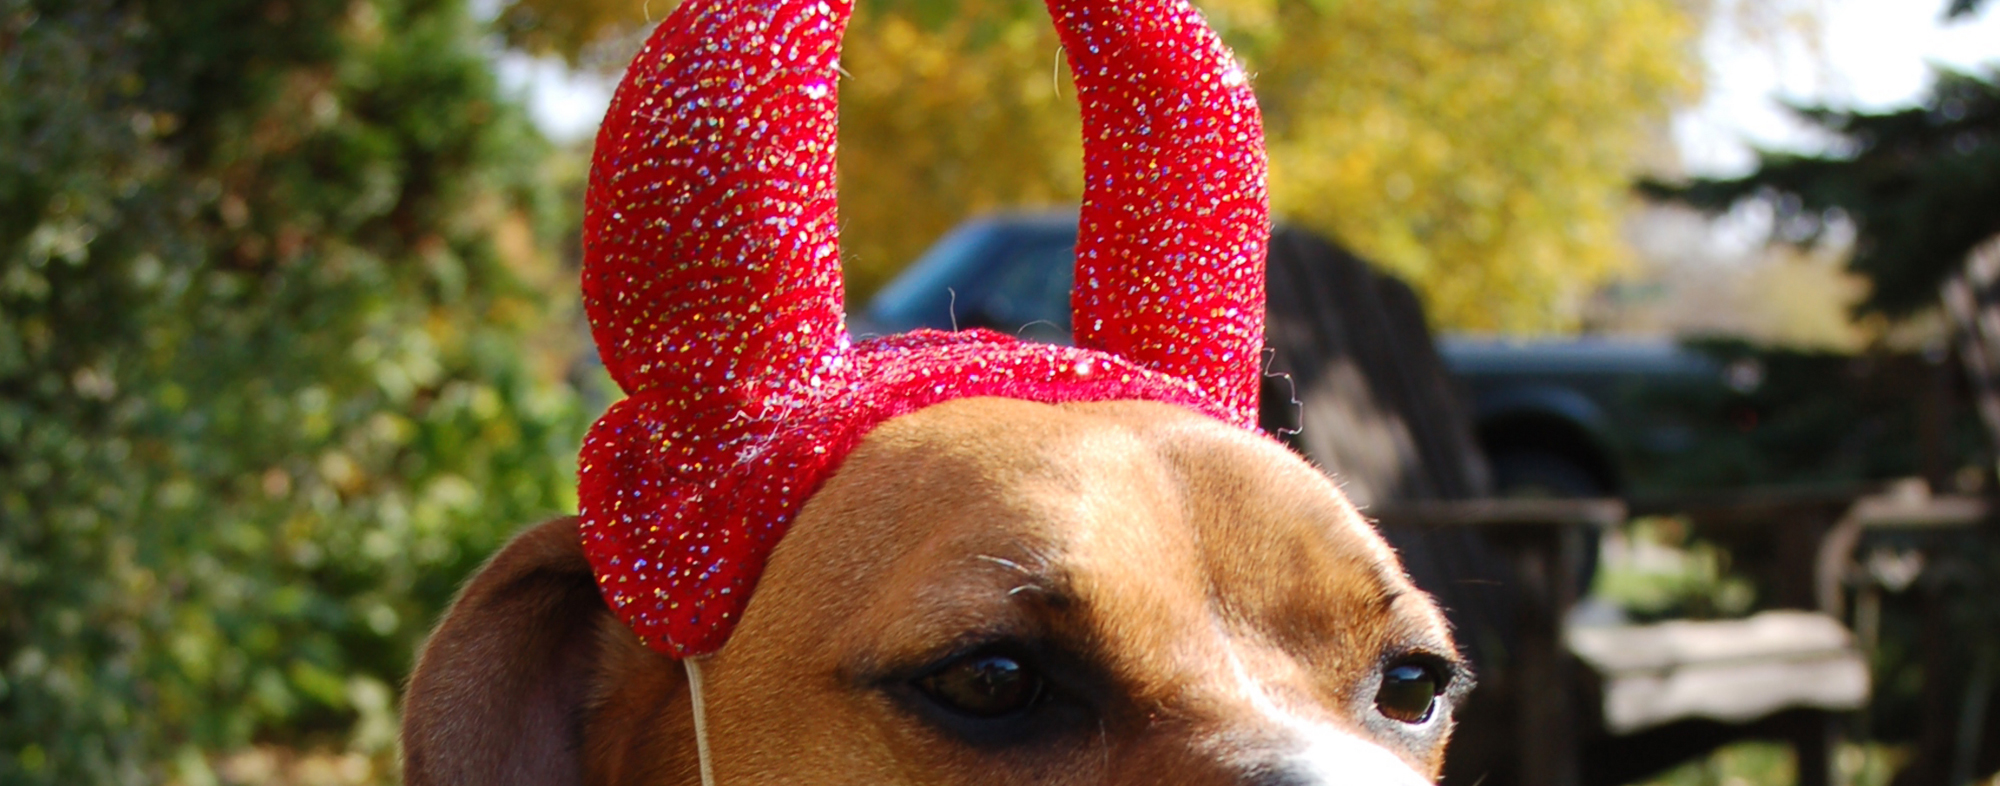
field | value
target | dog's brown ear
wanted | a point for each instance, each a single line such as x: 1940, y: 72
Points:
x: 499, y: 694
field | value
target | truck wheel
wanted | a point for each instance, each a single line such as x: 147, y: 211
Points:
x: 1539, y: 474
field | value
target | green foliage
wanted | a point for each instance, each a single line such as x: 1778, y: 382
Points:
x: 1679, y: 577
x: 1809, y: 419
x: 284, y: 354
x: 1960, y: 8
x: 1772, y: 764
x: 583, y: 32
x: 1918, y: 185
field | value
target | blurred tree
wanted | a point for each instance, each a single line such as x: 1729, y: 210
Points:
x: 1481, y: 150
x: 1918, y: 188
x: 284, y: 354
x: 1917, y: 185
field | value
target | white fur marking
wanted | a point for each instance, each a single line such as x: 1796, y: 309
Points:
x: 1325, y: 753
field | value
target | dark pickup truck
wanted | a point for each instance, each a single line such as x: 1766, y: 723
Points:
x: 1583, y: 417
x: 1558, y: 417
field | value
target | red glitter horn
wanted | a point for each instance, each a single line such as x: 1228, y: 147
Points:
x: 711, y: 277
x: 1175, y: 219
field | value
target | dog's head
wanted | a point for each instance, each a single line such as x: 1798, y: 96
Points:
x: 976, y: 560
x: 988, y: 591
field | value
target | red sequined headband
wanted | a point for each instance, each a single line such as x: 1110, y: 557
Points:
x: 711, y: 276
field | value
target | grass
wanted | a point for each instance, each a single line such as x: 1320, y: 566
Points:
x: 1771, y: 764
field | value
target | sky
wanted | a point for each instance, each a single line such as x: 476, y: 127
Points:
x: 566, y: 104
x: 1866, y: 54
x: 1870, y: 54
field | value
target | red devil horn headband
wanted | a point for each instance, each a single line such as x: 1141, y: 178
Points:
x: 711, y: 275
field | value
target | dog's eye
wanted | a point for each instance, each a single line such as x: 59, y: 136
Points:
x: 1408, y: 693
x: 983, y: 685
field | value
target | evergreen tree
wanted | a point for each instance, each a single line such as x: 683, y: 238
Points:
x: 1918, y: 185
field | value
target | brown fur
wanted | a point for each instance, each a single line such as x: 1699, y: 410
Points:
x: 1148, y: 548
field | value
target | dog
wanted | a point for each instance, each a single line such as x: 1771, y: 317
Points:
x: 975, y: 560
x: 989, y: 591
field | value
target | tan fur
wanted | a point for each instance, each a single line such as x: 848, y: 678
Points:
x: 1167, y: 555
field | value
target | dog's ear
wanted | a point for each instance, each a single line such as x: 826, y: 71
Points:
x: 499, y: 694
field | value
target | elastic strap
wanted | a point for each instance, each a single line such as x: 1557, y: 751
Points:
x: 700, y: 720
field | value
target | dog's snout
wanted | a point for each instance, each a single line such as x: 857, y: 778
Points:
x: 1322, y: 756
x: 1280, y: 775
x: 1298, y: 772
x: 1285, y: 773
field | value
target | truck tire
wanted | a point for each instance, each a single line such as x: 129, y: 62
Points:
x: 1540, y: 474
x: 1535, y: 473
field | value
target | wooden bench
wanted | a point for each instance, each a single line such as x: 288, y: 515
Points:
x: 1732, y: 671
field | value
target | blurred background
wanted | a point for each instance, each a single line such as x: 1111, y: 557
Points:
x: 290, y: 340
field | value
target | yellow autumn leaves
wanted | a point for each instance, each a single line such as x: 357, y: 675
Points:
x: 1479, y: 148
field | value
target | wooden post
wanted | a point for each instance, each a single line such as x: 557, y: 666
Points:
x: 1936, y: 729
x: 1815, y: 737
x: 1537, y: 693
x: 1550, y: 752
x: 1815, y: 740
x: 1795, y: 579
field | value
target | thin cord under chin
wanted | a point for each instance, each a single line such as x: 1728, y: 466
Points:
x: 700, y: 720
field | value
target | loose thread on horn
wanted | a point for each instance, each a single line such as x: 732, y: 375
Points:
x: 1291, y: 395
x: 1055, y: 72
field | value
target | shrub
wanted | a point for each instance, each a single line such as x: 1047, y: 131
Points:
x: 285, y: 352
